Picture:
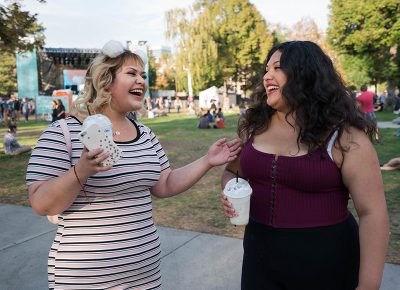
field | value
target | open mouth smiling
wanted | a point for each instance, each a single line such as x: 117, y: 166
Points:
x: 136, y: 92
x: 271, y: 88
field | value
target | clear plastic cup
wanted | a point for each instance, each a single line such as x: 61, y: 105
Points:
x: 238, y: 191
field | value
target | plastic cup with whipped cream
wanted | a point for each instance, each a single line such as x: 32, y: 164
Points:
x: 238, y: 192
x: 101, y: 120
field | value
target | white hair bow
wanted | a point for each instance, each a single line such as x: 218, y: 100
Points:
x: 141, y: 54
x: 115, y: 48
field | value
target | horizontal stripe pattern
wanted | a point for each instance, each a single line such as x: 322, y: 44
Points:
x: 106, y: 240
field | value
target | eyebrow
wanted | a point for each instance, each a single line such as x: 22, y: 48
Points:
x: 275, y: 62
x: 135, y: 70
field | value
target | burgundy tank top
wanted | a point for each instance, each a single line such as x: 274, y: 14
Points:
x: 294, y: 192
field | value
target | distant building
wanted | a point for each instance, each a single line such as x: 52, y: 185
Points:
x: 159, y: 51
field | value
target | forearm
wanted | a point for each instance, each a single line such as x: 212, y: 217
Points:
x: 181, y: 179
x: 55, y: 195
x: 374, y: 236
x: 176, y: 181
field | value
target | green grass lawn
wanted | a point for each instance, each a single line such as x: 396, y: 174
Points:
x: 197, y: 209
x: 385, y: 115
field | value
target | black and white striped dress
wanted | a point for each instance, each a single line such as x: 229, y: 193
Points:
x: 107, y: 240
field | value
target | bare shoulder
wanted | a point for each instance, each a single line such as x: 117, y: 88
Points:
x: 354, y: 139
x: 359, y: 150
x: 353, y: 142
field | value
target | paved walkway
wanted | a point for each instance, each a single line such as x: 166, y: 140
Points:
x: 388, y: 124
x: 190, y: 260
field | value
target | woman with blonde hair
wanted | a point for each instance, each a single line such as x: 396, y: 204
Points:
x: 106, y: 237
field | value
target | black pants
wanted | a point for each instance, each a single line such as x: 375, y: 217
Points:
x: 323, y: 258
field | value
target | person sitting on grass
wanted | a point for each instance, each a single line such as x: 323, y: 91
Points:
x: 204, y: 122
x: 219, y: 123
x: 392, y: 164
x: 11, y: 145
x: 220, y: 114
x: 210, y: 117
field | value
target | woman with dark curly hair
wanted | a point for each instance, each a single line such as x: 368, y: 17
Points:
x: 307, y: 150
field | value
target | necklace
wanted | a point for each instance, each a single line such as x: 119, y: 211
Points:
x: 116, y: 133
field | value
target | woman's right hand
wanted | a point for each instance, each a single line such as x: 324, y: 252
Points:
x: 227, y: 206
x: 90, y: 163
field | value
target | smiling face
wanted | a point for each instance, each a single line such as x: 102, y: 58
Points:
x: 274, y: 80
x: 128, y: 87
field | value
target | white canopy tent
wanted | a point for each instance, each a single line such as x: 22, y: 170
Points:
x: 208, y: 96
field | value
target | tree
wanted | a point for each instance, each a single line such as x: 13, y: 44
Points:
x: 355, y: 69
x: 224, y: 41
x: 152, y: 70
x: 178, y: 27
x: 307, y: 29
x: 280, y: 33
x: 8, y: 77
x: 369, y: 31
x: 235, y: 36
x: 165, y: 73
x: 19, y: 30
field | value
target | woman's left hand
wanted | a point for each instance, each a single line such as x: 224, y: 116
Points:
x: 222, y: 152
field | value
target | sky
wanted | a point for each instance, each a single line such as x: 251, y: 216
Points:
x: 91, y: 23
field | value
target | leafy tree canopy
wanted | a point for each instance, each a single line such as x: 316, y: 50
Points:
x: 8, y: 76
x: 369, y: 31
x: 364, y: 26
x: 223, y: 40
x: 19, y: 30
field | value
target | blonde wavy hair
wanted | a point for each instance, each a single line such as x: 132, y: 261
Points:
x: 99, y: 77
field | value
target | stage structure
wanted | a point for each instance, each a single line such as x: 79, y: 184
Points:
x: 40, y: 73
x: 63, y: 68
x: 27, y: 74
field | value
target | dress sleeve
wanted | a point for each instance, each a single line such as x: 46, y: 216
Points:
x: 164, y: 162
x: 50, y: 157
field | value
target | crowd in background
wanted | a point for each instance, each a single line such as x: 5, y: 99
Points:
x: 162, y: 106
x: 214, y: 117
x: 373, y: 102
x: 13, y: 108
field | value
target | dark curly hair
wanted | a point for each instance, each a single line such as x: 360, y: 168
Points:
x: 315, y: 94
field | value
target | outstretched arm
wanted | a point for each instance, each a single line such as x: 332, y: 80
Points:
x: 393, y: 164
x: 173, y: 182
